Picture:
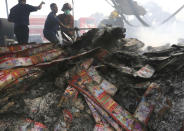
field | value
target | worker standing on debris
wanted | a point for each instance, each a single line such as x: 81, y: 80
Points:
x: 67, y: 19
x: 19, y: 15
x: 114, y: 20
x: 52, y: 24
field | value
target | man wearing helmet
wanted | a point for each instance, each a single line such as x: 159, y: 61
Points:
x: 114, y: 20
x: 19, y: 15
x: 67, y: 19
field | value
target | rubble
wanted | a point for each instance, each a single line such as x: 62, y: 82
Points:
x: 101, y: 82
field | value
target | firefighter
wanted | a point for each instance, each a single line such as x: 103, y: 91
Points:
x: 67, y: 19
x: 19, y: 15
x: 114, y: 20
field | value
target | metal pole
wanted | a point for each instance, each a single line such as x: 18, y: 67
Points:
x: 175, y: 13
x: 6, y: 1
x: 73, y: 8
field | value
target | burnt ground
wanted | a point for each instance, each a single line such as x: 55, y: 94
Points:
x: 40, y: 102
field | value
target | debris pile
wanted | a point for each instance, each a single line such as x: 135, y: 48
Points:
x: 101, y: 82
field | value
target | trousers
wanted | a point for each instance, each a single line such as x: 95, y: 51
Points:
x: 22, y: 33
x: 51, y: 36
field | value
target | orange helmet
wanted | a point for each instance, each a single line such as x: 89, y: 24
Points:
x: 66, y: 6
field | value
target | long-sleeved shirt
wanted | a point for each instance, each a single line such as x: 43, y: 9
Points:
x: 51, y: 23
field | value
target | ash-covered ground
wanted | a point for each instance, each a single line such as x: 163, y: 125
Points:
x: 39, y: 99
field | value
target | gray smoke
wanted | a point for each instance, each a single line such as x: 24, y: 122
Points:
x: 157, y: 35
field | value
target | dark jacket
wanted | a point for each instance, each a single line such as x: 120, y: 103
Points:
x: 19, y: 14
x: 51, y: 23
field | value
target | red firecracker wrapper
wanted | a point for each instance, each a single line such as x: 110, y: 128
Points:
x: 12, y: 76
x: 102, y: 127
x: 16, y: 48
x: 46, y: 56
x: 100, y: 97
x: 123, y: 117
x: 32, y: 60
x: 145, y: 108
x: 103, y: 114
x: 104, y: 84
x: 67, y: 116
x: 33, y: 126
x: 145, y: 72
x: 97, y: 117
x: 28, y: 52
x: 143, y: 111
x: 15, y: 62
